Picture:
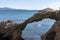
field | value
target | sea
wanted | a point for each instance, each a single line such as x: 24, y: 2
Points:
x: 33, y: 31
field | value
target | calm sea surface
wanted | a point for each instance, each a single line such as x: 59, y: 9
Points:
x: 33, y: 31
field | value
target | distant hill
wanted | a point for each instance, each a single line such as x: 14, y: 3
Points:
x: 6, y: 8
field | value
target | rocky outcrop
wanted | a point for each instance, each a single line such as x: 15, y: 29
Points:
x: 10, y: 30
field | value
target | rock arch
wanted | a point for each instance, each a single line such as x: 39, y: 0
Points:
x: 42, y: 14
x: 14, y: 30
x: 45, y: 13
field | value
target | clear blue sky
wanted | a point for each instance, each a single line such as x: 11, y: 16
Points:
x: 30, y: 4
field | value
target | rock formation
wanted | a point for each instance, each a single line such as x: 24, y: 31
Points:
x: 13, y: 31
x: 10, y: 31
x: 42, y: 14
x: 54, y: 32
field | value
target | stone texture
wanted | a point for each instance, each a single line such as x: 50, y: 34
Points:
x: 10, y: 31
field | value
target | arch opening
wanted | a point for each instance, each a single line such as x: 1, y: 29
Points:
x: 35, y: 28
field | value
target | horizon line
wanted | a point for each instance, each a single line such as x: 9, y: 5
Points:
x: 27, y: 9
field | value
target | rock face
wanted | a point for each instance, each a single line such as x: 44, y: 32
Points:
x: 10, y: 31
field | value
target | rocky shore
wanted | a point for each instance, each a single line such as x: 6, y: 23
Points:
x: 10, y: 30
x: 13, y: 31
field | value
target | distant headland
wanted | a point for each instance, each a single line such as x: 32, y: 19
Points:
x: 7, y: 8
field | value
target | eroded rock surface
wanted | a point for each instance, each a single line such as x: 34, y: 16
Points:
x: 10, y: 31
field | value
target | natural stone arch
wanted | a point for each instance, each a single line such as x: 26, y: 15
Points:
x: 42, y: 14
x: 17, y: 28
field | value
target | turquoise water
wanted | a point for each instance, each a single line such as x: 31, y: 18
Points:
x: 33, y: 31
x: 15, y: 15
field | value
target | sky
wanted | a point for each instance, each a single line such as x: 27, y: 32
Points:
x: 30, y: 4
